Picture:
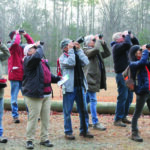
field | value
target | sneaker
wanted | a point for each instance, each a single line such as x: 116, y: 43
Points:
x: 125, y: 120
x: 69, y: 137
x: 16, y: 120
x: 29, y: 145
x: 99, y: 126
x: 87, y: 135
x: 47, y: 143
x: 3, y: 139
x: 119, y: 123
x: 135, y: 137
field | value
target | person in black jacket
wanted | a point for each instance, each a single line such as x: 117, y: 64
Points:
x: 139, y: 66
x: 120, y: 48
x: 36, y: 89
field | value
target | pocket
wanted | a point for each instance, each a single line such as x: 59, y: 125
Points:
x: 16, y: 72
x: 91, y: 79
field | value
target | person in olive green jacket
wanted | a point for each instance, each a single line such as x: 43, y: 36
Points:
x: 95, y: 73
x: 4, y: 54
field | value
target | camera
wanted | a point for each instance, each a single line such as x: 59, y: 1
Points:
x: 100, y: 36
x: 41, y: 43
x: 94, y: 40
x: 80, y: 40
x: 21, y: 31
x: 129, y: 32
x: 148, y: 46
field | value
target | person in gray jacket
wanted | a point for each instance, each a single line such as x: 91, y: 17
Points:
x: 71, y: 89
x: 95, y: 73
x: 4, y: 54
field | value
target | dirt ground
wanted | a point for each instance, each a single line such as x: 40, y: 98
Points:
x: 114, y: 138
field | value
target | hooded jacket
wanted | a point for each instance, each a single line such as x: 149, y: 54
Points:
x: 33, y: 79
x: 140, y: 70
x: 15, y: 61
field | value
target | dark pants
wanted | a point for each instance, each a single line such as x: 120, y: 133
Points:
x: 140, y: 101
x: 124, y: 98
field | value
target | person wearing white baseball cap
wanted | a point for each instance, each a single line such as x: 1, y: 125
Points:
x: 36, y: 88
x: 29, y: 48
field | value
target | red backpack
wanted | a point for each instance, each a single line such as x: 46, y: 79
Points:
x: 58, y: 66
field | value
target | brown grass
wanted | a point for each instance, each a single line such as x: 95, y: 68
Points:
x: 110, y: 95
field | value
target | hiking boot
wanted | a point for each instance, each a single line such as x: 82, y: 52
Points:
x: 29, y: 145
x: 125, y: 120
x: 87, y: 135
x: 3, y: 139
x: 135, y: 137
x: 119, y: 123
x: 69, y: 137
x: 47, y: 143
x: 99, y: 126
x: 16, y: 120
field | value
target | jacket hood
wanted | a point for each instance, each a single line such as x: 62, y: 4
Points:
x: 132, y: 52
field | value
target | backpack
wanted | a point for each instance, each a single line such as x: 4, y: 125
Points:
x: 58, y: 69
x: 129, y: 81
x: 58, y: 66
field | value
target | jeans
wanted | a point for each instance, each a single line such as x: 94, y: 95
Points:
x: 140, y: 101
x: 15, y: 87
x: 1, y: 115
x: 68, y: 101
x: 124, y: 99
x: 91, y: 98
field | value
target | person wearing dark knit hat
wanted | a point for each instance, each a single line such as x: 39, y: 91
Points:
x: 15, y: 68
x: 139, y: 66
x: 11, y: 34
x: 4, y: 54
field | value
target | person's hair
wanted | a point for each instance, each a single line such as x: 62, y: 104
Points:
x: 116, y: 36
x: 87, y: 39
x: 132, y: 52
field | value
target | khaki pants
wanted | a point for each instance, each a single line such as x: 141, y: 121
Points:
x: 38, y: 107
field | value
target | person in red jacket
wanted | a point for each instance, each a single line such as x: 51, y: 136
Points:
x: 15, y: 68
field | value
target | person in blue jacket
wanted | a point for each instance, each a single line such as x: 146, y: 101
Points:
x: 139, y: 66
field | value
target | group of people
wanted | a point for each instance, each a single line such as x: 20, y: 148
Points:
x: 28, y: 71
